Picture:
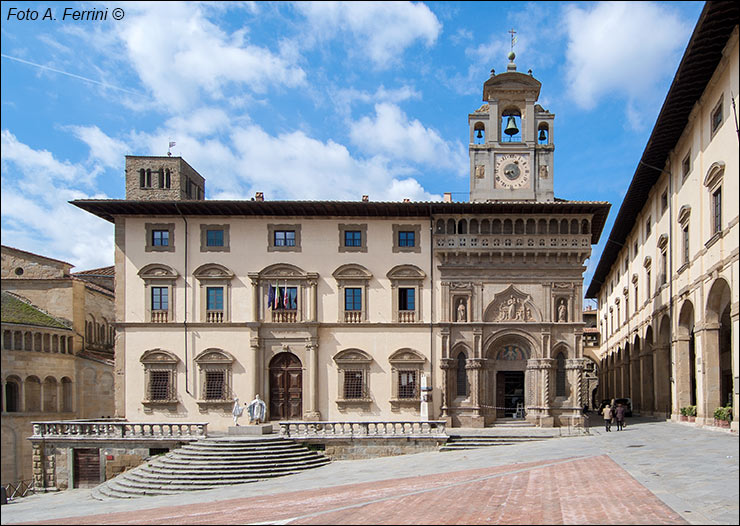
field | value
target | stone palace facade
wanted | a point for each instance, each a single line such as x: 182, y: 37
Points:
x: 340, y: 311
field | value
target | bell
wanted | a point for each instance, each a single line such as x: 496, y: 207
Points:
x: 542, y: 136
x: 480, y: 134
x: 511, y: 128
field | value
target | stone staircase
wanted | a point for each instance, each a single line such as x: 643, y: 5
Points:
x: 458, y: 442
x: 210, y: 463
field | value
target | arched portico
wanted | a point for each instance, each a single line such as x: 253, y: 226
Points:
x: 685, y: 373
x: 717, y: 351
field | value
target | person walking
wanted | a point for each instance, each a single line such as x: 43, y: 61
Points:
x: 607, y: 412
x: 619, y: 415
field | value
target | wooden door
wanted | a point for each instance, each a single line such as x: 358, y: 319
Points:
x: 86, y: 468
x: 286, y: 387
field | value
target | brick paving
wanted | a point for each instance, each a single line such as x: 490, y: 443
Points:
x: 576, y: 490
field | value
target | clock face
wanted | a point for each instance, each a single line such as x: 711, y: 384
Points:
x: 512, y: 170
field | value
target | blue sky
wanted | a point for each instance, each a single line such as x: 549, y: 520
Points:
x: 312, y: 100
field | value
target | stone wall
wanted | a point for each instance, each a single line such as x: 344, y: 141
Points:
x: 33, y: 267
x: 354, y: 449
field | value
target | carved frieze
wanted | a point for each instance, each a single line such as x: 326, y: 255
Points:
x: 512, y: 305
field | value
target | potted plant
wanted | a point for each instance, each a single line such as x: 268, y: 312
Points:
x: 691, y: 413
x: 722, y: 416
x: 683, y: 416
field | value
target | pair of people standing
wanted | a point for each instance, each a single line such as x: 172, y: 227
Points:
x: 614, y: 414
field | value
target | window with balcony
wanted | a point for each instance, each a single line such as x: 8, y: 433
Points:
x: 159, y: 282
x: 352, y: 285
x: 284, y: 293
x: 406, y: 284
x: 215, y: 292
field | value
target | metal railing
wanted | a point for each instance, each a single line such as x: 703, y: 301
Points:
x: 324, y: 429
x: 19, y: 489
x: 70, y: 429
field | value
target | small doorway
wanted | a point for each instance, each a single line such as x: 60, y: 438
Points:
x: 509, y: 393
x: 286, y: 387
x: 86, y: 468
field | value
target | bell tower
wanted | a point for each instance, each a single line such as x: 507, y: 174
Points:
x: 511, y: 146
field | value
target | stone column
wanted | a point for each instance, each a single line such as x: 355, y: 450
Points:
x: 547, y: 368
x: 635, y: 387
x: 574, y: 371
x: 312, y: 299
x: 662, y: 375
x: 682, y: 371
x: 735, y: 345
x: 710, y: 369
x: 474, y: 367
x: 647, y: 381
x: 255, y: 297
x: 256, y: 365
x: 446, y: 364
x: 313, y: 413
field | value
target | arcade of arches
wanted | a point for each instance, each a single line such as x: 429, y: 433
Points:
x: 663, y: 369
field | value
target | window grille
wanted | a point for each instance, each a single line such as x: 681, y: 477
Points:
x: 159, y: 385
x: 215, y: 386
x: 353, y: 384
x: 407, y: 384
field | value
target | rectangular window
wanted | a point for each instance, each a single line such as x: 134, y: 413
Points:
x: 663, y: 268
x: 214, y: 298
x: 407, y: 384
x: 686, y: 166
x: 406, y: 239
x: 352, y: 299
x: 626, y: 264
x: 353, y: 384
x: 406, y: 299
x: 352, y: 238
x: 214, y: 238
x: 159, y: 385
x: 284, y: 238
x: 664, y: 202
x: 215, y: 385
x: 647, y: 284
x: 160, y: 238
x: 647, y: 227
x: 160, y: 298
x: 686, y: 244
x: 717, y: 211
x: 286, y: 298
x: 635, y: 249
x: 717, y: 117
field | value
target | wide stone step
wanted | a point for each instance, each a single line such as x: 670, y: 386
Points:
x: 209, y: 464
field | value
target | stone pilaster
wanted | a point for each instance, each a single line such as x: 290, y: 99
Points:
x: 312, y: 349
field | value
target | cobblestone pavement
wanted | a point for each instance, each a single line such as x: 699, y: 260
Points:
x: 650, y: 473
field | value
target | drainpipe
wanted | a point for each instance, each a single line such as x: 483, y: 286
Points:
x: 431, y: 309
x: 185, y: 319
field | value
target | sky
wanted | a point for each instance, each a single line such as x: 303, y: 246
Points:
x: 311, y: 100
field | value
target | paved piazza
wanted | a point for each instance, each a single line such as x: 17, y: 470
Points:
x: 650, y: 473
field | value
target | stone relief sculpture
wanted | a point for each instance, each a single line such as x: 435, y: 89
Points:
x: 480, y: 171
x: 562, y: 311
x: 461, y: 311
x: 544, y: 171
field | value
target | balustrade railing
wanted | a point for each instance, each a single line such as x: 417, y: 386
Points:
x: 406, y: 316
x: 407, y: 428
x: 353, y: 316
x: 285, y: 316
x: 530, y: 241
x: 72, y: 429
x: 215, y: 316
x: 160, y: 316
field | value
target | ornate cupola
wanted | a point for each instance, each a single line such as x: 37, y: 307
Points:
x: 511, y: 146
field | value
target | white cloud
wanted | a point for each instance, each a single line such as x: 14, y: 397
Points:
x: 180, y: 55
x: 621, y: 48
x: 36, y: 215
x: 110, y: 152
x: 380, y: 31
x: 391, y: 133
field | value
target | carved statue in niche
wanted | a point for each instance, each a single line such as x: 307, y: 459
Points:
x: 480, y: 171
x: 461, y: 311
x: 562, y: 311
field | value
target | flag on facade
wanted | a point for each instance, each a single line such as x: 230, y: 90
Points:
x: 286, y: 297
x: 270, y: 296
x: 276, y: 304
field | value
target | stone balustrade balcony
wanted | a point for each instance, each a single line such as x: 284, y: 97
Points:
x: 285, y: 316
x: 353, y: 316
x: 214, y: 316
x: 160, y: 316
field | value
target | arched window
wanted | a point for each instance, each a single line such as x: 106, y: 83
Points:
x: 560, y: 388
x: 462, y: 227
x: 12, y: 395
x: 462, y: 375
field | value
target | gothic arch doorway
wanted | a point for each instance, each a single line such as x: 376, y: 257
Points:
x: 286, y: 387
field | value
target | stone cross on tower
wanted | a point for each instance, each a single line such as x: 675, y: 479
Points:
x: 513, y: 38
